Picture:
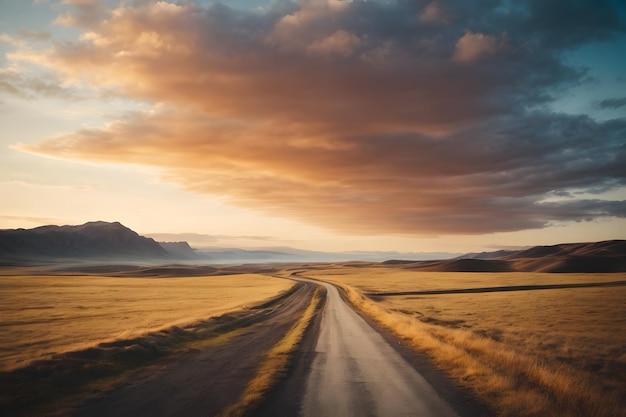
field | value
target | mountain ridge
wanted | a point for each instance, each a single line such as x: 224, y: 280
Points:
x: 180, y: 249
x: 96, y: 239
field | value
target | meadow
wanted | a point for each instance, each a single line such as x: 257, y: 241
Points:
x: 42, y: 316
x: 546, y: 352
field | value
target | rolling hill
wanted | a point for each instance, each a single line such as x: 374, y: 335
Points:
x: 606, y: 256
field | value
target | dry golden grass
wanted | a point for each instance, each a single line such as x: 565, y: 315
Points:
x: 273, y: 366
x: 373, y: 279
x: 45, y: 315
x: 557, y: 352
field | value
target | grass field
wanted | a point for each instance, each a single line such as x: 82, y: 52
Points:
x: 526, y: 353
x: 45, y: 315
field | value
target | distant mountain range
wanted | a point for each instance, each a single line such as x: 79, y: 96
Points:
x: 285, y: 254
x: 606, y: 256
x: 103, y: 241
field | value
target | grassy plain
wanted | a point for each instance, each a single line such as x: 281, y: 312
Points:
x: 525, y: 353
x: 45, y: 315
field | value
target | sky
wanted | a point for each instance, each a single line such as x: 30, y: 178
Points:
x: 399, y: 125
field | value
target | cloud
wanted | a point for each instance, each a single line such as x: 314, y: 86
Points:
x: 85, y: 13
x: 19, y: 82
x: 473, y: 46
x: 71, y: 187
x: 340, y: 42
x: 34, y: 35
x: 363, y: 117
x: 472, y: 181
x: 612, y: 103
x: 23, y: 36
x: 433, y: 13
x: 203, y: 240
x: 31, y: 219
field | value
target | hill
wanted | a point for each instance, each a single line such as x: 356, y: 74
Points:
x: 181, y: 250
x: 606, y: 256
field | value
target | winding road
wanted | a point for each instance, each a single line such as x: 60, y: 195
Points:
x: 343, y: 368
x: 355, y: 372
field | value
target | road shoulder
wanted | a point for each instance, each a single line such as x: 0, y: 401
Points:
x: 460, y: 398
x: 285, y: 399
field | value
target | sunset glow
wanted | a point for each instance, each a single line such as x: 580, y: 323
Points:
x: 321, y: 124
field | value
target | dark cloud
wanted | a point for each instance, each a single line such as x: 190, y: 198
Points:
x: 34, y: 35
x: 84, y: 13
x: 403, y: 117
x: 565, y: 24
x: 612, y: 103
x: 29, y: 87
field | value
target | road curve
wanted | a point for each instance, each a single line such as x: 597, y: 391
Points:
x: 204, y: 381
x: 355, y: 372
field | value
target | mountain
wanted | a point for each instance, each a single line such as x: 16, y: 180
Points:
x: 606, y: 256
x: 181, y: 250
x: 90, y: 240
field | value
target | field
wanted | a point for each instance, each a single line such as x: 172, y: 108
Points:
x: 46, y: 315
x: 525, y: 353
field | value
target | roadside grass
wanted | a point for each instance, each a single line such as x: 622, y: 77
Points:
x: 274, y: 365
x: 43, y: 316
x: 55, y: 385
x: 538, y: 353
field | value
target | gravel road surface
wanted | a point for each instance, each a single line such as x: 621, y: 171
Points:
x: 355, y: 372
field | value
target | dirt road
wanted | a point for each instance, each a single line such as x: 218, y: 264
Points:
x: 355, y: 372
x: 203, y: 382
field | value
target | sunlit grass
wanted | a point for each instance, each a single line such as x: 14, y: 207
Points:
x: 44, y: 315
x: 392, y: 279
x: 538, y: 353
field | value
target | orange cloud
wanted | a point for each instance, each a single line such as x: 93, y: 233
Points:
x: 404, y: 184
x: 218, y: 65
x: 433, y: 13
x: 340, y: 42
x: 354, y: 116
x: 473, y: 46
